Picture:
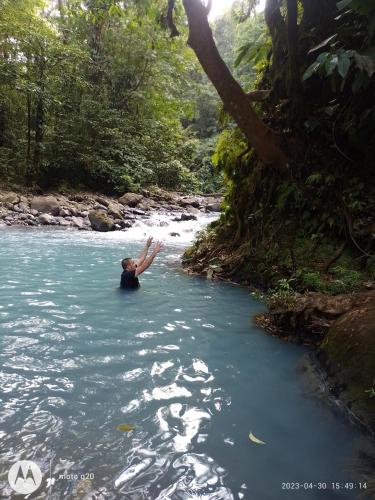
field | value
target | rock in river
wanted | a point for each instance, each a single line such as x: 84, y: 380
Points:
x: 131, y: 199
x: 100, y: 221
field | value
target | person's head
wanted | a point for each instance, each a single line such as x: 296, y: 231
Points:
x: 128, y: 264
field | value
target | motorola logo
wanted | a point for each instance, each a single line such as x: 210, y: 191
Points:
x: 25, y: 477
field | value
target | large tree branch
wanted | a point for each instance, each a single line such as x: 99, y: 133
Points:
x: 235, y: 101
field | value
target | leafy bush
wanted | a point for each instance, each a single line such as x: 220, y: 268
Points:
x: 283, y: 295
x: 342, y: 281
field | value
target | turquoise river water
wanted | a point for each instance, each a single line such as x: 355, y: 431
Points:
x: 179, y: 360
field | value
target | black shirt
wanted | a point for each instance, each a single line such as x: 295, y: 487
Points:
x: 129, y: 280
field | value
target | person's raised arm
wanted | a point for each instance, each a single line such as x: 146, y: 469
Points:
x: 143, y: 254
x: 147, y: 262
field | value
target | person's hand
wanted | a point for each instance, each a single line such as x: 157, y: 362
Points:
x: 158, y: 247
x: 149, y: 242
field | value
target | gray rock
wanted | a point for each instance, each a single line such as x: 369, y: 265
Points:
x: 24, y: 207
x: 192, y: 210
x: 113, y: 211
x: 184, y: 202
x: 34, y: 212
x: 46, y: 205
x: 174, y: 234
x: 98, y: 206
x: 135, y: 211
x: 62, y: 221
x: 64, y: 212
x: 131, y: 199
x: 78, y: 222
x: 10, y: 197
x: 185, y: 217
x: 102, y: 201
x: 213, y: 207
x: 45, y: 219
x: 100, y: 221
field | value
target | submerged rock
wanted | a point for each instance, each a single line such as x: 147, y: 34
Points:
x: 185, y: 217
x: 100, y: 221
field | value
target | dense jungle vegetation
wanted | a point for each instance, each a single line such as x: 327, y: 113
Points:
x: 298, y: 158
x: 95, y: 94
x: 107, y: 94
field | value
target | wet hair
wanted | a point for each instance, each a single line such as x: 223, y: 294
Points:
x: 125, y: 263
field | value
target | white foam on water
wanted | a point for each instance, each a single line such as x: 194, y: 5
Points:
x: 163, y: 227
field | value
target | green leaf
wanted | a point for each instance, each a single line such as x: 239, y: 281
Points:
x: 343, y: 63
x: 311, y: 70
x: 365, y: 63
x: 343, y: 4
x: 323, y: 44
x: 331, y: 64
x: 125, y: 427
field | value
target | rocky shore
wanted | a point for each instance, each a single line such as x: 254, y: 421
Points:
x: 96, y: 212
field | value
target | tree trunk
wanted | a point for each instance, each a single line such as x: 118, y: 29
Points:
x: 236, y: 102
x: 319, y: 15
x: 28, y: 152
x: 39, y: 121
x: 2, y: 126
x: 292, y: 31
x: 277, y: 28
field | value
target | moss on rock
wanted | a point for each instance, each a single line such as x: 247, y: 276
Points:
x: 348, y: 351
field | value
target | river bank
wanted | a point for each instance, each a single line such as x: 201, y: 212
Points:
x: 96, y: 212
x: 340, y: 328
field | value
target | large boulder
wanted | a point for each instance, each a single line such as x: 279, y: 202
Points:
x: 193, y: 202
x: 100, y: 221
x: 114, y: 211
x: 46, y: 204
x: 131, y: 199
x: 213, y: 207
x: 348, y: 351
x: 10, y: 197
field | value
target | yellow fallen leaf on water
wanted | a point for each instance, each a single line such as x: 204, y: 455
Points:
x: 125, y: 427
x: 255, y: 439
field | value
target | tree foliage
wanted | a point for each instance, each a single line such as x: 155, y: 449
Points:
x: 92, y: 93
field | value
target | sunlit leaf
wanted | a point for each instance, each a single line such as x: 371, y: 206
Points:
x: 125, y: 427
x: 343, y: 3
x: 323, y: 44
x: 255, y: 439
x: 343, y: 64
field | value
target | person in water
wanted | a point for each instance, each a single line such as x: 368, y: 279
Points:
x: 133, y: 268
